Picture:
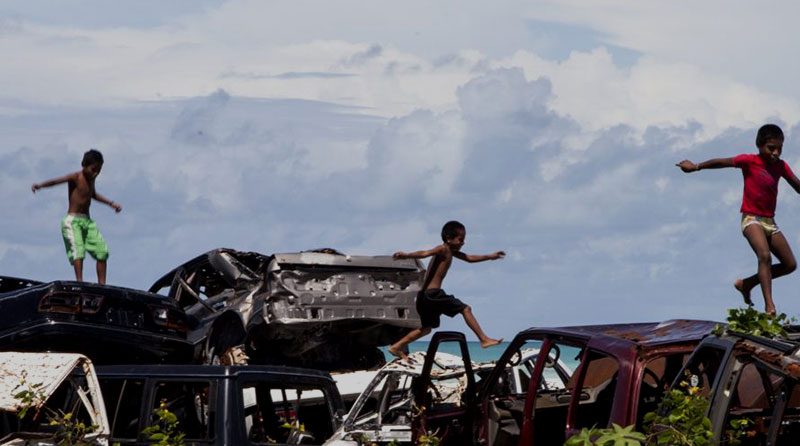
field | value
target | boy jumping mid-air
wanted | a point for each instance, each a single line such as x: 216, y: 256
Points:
x: 79, y: 231
x: 761, y: 174
x: 432, y: 301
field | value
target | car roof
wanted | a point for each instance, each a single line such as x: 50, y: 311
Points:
x: 44, y: 370
x: 642, y: 334
x: 308, y: 258
x: 782, y: 345
x: 205, y: 371
x: 313, y: 258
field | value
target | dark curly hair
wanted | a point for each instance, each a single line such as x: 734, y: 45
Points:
x: 767, y: 132
x: 92, y: 156
x: 450, y: 230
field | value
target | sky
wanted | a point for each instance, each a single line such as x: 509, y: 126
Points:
x: 550, y: 129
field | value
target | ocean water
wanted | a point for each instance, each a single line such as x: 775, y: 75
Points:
x: 476, y: 353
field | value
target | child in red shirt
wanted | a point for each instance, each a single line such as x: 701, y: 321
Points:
x: 761, y: 174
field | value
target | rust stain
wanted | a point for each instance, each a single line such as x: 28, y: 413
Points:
x: 670, y: 330
x: 786, y: 363
x: 629, y: 335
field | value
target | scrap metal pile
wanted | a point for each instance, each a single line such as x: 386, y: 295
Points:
x: 319, y: 309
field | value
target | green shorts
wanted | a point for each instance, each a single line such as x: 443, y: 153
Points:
x: 81, y: 235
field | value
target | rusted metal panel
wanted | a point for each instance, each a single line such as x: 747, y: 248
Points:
x: 789, y: 363
x: 643, y: 335
x: 49, y: 369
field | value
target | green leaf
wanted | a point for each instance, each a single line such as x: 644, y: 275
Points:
x: 583, y: 438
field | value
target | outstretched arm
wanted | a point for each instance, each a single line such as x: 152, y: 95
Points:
x: 472, y: 258
x: 715, y: 163
x: 54, y: 181
x: 418, y: 254
x: 117, y: 207
x: 793, y: 181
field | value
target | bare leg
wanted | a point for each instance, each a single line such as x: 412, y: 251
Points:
x: 397, y: 348
x: 783, y: 252
x: 101, y: 271
x: 761, y: 246
x: 744, y: 286
x: 78, y: 265
x: 472, y: 323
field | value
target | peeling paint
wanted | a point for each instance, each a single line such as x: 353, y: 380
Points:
x: 19, y: 371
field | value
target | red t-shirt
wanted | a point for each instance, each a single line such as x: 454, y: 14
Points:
x: 760, y: 183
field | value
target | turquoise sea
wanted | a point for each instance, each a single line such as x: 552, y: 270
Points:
x: 476, y: 353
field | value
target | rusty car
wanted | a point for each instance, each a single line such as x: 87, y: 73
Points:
x: 613, y: 373
x: 748, y: 377
x: 620, y: 373
x: 319, y: 309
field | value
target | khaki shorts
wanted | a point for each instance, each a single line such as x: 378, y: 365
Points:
x: 767, y: 224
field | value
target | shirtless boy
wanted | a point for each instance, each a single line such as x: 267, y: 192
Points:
x: 761, y: 174
x: 79, y: 231
x: 432, y: 301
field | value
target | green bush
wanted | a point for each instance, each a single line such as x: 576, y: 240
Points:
x: 753, y: 322
x: 68, y: 432
x: 616, y: 436
x: 165, y: 431
x: 680, y: 420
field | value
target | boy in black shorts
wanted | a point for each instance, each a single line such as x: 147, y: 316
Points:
x: 432, y: 301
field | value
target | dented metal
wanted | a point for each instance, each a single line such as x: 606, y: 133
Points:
x: 319, y: 308
x: 323, y: 287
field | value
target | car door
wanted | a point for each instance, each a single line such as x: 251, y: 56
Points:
x: 525, y: 400
x: 444, y: 391
x: 285, y: 409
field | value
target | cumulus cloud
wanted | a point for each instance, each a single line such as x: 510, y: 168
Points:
x: 678, y: 31
x: 255, y: 49
x: 614, y: 215
x: 227, y: 127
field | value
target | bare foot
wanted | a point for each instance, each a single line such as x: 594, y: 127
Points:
x: 490, y: 342
x: 398, y: 353
x: 739, y: 285
x: 770, y: 311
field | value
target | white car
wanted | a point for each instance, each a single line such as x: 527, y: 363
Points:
x: 384, y: 411
x: 47, y: 384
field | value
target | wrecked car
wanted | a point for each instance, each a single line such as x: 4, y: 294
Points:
x: 619, y: 373
x: 36, y: 387
x: 383, y: 413
x: 318, y: 309
x: 752, y: 378
x: 612, y: 373
x: 222, y: 405
x: 428, y: 395
x: 106, y: 323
